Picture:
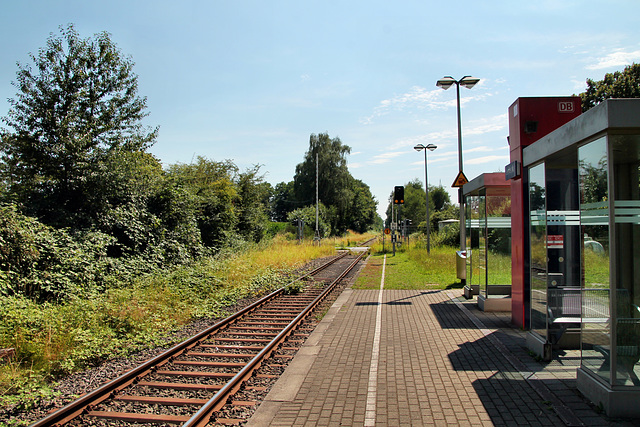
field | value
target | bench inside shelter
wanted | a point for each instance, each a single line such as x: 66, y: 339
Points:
x: 571, y: 307
x: 575, y: 305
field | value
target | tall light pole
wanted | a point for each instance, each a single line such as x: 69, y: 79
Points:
x: 445, y: 83
x: 316, y: 238
x: 426, y: 148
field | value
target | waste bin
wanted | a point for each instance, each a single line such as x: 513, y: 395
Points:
x: 461, y: 265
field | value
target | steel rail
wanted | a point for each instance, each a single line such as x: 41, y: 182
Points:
x: 77, y: 407
x: 202, y: 417
x: 366, y: 242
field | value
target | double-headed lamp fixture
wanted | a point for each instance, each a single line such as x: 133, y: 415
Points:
x: 448, y: 81
x: 421, y: 147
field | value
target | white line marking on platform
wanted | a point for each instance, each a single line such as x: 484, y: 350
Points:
x: 370, y: 414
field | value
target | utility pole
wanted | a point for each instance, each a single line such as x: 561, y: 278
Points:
x: 317, y: 236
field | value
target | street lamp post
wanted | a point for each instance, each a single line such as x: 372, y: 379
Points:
x: 426, y: 148
x: 445, y: 83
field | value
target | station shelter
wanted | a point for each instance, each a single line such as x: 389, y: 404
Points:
x: 576, y: 240
x: 488, y: 254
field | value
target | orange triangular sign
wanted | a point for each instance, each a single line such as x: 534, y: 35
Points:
x: 460, y: 180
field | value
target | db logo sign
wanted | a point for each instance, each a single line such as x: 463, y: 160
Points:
x: 565, y: 107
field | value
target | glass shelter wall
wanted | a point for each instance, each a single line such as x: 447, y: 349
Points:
x: 481, y: 253
x: 488, y: 214
x: 475, y: 268
x: 594, y: 219
x: 555, y: 250
x: 538, y: 256
x: 625, y: 155
x: 563, y: 250
x: 611, y: 293
x: 498, y: 243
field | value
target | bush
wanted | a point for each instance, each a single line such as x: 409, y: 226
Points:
x: 43, y: 263
x: 52, y: 339
x: 308, y: 215
x: 275, y: 228
x: 449, y: 236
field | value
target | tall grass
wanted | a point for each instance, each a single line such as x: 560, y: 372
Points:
x: 499, y: 269
x: 351, y: 239
x: 52, y: 340
x: 596, y: 269
x: 411, y: 268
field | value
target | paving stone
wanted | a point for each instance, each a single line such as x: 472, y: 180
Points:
x: 435, y: 367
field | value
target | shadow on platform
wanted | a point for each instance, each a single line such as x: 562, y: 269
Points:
x: 400, y: 301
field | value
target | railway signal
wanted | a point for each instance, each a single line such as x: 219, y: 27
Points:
x: 398, y: 195
x: 299, y: 224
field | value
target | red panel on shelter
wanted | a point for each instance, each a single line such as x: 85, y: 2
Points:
x: 529, y: 120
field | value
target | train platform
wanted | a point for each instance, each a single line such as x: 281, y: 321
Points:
x: 423, y: 358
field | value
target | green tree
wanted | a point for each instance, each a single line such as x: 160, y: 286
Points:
x: 253, y: 204
x: 333, y: 174
x: 282, y: 201
x: 118, y: 199
x: 619, y: 84
x: 349, y: 202
x: 75, y: 104
x: 440, y: 198
x: 362, y: 214
x: 210, y: 186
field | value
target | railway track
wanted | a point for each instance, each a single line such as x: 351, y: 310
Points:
x: 189, y: 383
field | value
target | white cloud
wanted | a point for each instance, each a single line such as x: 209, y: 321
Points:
x: 478, y: 127
x: 378, y: 160
x: 482, y: 149
x: 429, y: 138
x: 486, y: 159
x: 417, y: 97
x: 486, y: 125
x: 385, y: 157
x: 617, y: 58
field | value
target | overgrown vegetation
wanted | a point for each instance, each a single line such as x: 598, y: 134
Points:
x: 52, y: 339
x: 103, y: 250
x: 411, y: 268
x: 352, y: 239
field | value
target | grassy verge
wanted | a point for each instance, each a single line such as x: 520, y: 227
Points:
x: 51, y: 340
x: 411, y: 268
x: 352, y: 239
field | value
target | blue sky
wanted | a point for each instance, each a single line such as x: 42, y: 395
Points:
x: 250, y: 81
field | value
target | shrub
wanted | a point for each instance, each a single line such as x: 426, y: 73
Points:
x: 43, y: 263
x: 449, y: 236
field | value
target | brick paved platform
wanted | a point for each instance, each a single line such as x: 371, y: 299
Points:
x: 422, y: 358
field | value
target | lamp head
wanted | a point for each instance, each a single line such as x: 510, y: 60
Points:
x: 468, y: 81
x: 419, y: 147
x: 431, y: 147
x: 446, y: 82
